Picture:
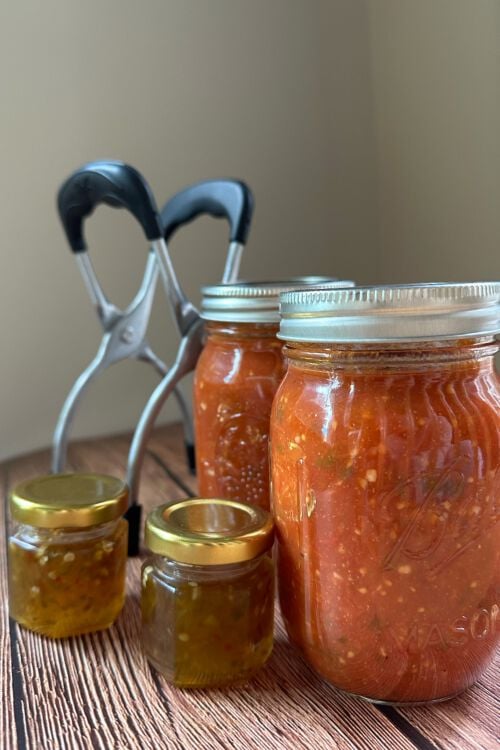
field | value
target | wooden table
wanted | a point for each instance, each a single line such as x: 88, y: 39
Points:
x: 98, y: 691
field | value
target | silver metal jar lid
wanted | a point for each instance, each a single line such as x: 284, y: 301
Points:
x: 255, y: 301
x: 407, y: 312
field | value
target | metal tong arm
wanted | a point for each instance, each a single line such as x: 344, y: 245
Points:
x: 121, y: 186
x: 67, y: 413
x: 219, y: 198
x: 124, y: 337
x: 230, y: 199
x: 118, y: 185
x: 187, y: 356
x: 107, y: 312
x: 185, y: 362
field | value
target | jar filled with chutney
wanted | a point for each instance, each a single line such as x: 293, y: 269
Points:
x: 208, y: 591
x: 385, y: 453
x: 67, y: 553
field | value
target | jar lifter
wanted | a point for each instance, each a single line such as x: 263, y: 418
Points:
x: 121, y: 186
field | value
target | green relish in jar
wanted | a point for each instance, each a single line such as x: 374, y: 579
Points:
x: 67, y: 553
x: 208, y: 591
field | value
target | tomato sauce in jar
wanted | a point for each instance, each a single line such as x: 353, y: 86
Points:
x: 385, y: 453
x: 236, y: 379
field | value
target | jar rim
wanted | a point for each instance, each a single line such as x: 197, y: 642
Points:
x: 209, y: 531
x: 255, y: 301
x: 69, y: 500
x: 391, y: 313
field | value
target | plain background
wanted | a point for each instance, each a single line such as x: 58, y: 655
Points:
x: 369, y: 131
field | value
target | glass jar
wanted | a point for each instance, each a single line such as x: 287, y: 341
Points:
x: 208, y: 591
x: 67, y: 553
x: 385, y: 452
x: 236, y: 378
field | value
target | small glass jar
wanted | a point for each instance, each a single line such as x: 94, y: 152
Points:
x: 385, y: 453
x: 208, y: 591
x: 67, y: 553
x: 236, y: 378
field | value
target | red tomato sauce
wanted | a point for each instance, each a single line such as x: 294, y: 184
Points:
x: 385, y: 489
x: 236, y: 379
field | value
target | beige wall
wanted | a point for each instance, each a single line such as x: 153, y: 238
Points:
x: 436, y: 83
x: 184, y: 90
x: 368, y: 129
x: 344, y: 43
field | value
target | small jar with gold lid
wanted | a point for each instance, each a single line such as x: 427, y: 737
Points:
x: 208, y: 591
x: 67, y: 553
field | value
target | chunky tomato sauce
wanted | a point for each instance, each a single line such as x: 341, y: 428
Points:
x: 236, y: 379
x: 386, y: 479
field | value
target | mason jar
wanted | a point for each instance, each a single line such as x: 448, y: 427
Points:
x: 236, y: 378
x: 385, y: 451
x: 67, y: 553
x: 208, y: 591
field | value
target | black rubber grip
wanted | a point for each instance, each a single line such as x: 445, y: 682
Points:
x: 111, y: 182
x: 191, y: 458
x: 229, y: 199
x: 133, y: 516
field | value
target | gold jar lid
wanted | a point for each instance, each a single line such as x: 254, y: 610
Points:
x: 209, y: 531
x: 58, y: 501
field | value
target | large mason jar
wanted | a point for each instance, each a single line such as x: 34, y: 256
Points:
x: 385, y: 455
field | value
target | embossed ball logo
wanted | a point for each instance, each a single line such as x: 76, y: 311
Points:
x: 446, y: 517
x: 241, y: 462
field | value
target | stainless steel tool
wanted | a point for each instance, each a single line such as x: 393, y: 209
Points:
x: 116, y: 184
x: 119, y: 185
x: 228, y: 199
x: 232, y: 200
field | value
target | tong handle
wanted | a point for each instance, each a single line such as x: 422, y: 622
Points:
x: 230, y: 199
x: 111, y: 182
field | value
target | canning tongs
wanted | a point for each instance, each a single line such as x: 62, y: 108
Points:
x: 121, y: 186
x: 220, y: 198
x: 116, y: 184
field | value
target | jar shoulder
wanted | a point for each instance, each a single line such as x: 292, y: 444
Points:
x: 34, y: 536
x: 172, y: 573
x: 433, y: 418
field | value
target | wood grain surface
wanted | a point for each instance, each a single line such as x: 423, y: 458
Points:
x: 98, y: 691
